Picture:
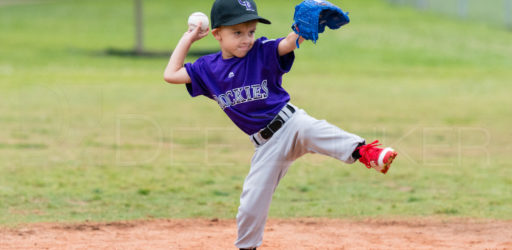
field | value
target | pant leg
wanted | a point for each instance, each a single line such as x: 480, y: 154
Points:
x: 319, y: 136
x: 259, y: 186
x: 268, y: 165
x: 300, y: 135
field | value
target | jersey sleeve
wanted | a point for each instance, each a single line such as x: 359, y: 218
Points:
x: 196, y: 72
x: 283, y: 63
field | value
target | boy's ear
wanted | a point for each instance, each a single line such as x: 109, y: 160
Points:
x: 215, y: 33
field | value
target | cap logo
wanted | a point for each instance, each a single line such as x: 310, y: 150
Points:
x: 246, y: 4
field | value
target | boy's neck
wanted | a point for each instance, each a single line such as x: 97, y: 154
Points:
x: 226, y: 55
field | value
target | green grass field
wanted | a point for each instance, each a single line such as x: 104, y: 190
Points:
x: 89, y: 136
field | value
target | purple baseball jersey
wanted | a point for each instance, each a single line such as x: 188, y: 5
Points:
x: 248, y: 89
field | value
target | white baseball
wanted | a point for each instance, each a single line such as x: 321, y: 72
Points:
x: 195, y: 18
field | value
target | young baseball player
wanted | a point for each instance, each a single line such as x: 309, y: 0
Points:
x: 244, y: 78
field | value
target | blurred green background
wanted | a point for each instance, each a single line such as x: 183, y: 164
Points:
x: 85, y: 135
x: 494, y: 12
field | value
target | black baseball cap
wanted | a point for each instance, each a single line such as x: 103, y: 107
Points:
x: 232, y: 12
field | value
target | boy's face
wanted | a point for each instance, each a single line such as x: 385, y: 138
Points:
x: 236, y: 40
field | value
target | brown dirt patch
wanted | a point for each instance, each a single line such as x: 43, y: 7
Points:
x: 423, y: 233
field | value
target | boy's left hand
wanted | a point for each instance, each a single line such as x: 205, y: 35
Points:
x: 289, y: 44
x: 311, y: 17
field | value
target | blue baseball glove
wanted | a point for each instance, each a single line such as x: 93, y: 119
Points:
x: 311, y: 17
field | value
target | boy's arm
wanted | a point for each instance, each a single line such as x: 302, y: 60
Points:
x: 175, y: 72
x: 287, y: 45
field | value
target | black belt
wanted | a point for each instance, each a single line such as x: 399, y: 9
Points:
x: 274, y: 125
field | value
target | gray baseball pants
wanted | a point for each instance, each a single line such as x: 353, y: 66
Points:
x: 299, y: 135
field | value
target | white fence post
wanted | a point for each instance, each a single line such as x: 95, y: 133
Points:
x: 463, y: 8
x: 422, y: 4
x: 508, y: 13
x: 139, y: 27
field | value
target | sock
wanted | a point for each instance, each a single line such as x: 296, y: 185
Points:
x: 356, y: 155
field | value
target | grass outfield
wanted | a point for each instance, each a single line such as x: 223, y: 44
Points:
x: 88, y: 136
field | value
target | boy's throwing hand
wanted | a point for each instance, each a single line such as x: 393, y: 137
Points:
x: 175, y: 72
x: 196, y: 33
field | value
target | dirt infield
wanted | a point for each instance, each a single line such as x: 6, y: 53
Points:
x: 280, y: 234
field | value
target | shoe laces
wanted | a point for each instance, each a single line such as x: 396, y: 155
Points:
x: 368, y: 153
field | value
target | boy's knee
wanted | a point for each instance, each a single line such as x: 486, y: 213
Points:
x: 248, y: 214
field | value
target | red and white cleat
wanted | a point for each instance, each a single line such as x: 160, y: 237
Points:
x: 378, y: 158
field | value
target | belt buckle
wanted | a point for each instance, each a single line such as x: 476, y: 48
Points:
x: 272, y: 128
x: 266, y: 133
x: 275, y: 125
